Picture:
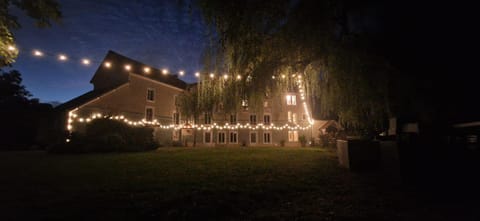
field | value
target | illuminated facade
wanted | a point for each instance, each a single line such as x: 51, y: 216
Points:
x: 129, y: 91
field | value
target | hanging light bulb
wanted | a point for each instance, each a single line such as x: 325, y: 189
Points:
x: 197, y: 74
x: 164, y: 71
x: 62, y: 57
x: 37, y: 53
x: 128, y: 67
x: 107, y: 64
x: 181, y: 73
x: 85, y: 61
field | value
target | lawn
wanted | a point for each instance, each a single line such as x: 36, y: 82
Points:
x: 198, y: 183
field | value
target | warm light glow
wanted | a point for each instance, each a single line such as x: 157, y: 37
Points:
x: 108, y: 64
x: 181, y: 73
x: 62, y: 57
x: 164, y: 71
x: 283, y: 76
x: 212, y: 75
x: 11, y: 48
x: 37, y: 53
x: 273, y: 77
x: 146, y: 69
x: 225, y: 76
x: 128, y: 67
x: 239, y: 77
x: 197, y: 74
x: 85, y: 61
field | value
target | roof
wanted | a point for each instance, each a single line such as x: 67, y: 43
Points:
x: 137, y: 68
x: 84, y: 98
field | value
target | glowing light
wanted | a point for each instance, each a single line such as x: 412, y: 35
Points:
x: 197, y: 74
x: 146, y: 69
x: 37, y: 53
x: 67, y: 140
x: 273, y: 77
x: 85, y: 61
x: 62, y: 57
x: 11, y: 48
x: 108, y: 64
x: 283, y: 76
x: 225, y: 76
x: 239, y: 77
x: 212, y: 75
x: 164, y: 71
x: 181, y: 73
x: 128, y: 67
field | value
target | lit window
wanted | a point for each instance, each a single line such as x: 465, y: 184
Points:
x: 150, y: 94
x: 149, y: 113
x: 291, y: 100
x: 294, y: 118
x: 266, y: 119
x: 221, y: 137
x: 233, y: 136
x: 292, y: 136
x: 253, y: 119
x: 253, y: 137
x: 289, y: 116
x: 265, y: 104
x: 207, y: 137
x: 267, y: 137
x: 233, y: 118
x: 176, y: 118
x: 245, y: 104
x: 207, y: 118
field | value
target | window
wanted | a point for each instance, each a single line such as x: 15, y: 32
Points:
x: 265, y: 104
x: 176, y: 118
x: 253, y: 137
x: 233, y: 136
x: 150, y: 94
x: 221, y: 137
x: 253, y: 119
x: 267, y: 137
x: 245, y: 104
x: 207, y: 137
x: 149, y: 113
x: 266, y: 119
x: 207, y: 118
x: 291, y: 100
x: 292, y: 136
x: 289, y: 116
x: 294, y: 118
x: 233, y: 118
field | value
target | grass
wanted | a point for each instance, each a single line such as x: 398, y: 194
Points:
x: 195, y: 184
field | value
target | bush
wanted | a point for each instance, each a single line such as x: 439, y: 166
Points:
x: 303, y: 140
x: 105, y: 135
x: 282, y: 143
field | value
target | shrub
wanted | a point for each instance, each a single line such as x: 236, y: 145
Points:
x: 282, y: 143
x: 105, y: 135
x: 303, y: 140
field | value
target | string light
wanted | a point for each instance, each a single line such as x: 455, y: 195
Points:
x: 225, y: 76
x: 164, y: 71
x: 11, y: 48
x: 197, y: 74
x: 128, y: 67
x: 62, y: 57
x: 86, y: 61
x: 283, y: 76
x: 108, y: 64
x: 273, y: 76
x: 239, y: 77
x: 181, y: 73
x: 37, y: 53
x: 212, y: 75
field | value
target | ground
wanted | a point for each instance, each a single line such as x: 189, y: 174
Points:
x: 203, y: 184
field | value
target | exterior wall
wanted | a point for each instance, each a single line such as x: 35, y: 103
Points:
x: 130, y: 100
x: 278, y: 110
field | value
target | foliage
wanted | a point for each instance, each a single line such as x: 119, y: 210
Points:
x: 105, y: 135
x: 344, y: 78
x: 303, y: 140
x: 42, y: 11
x: 24, y: 122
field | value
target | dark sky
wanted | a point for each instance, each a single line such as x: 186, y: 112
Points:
x: 158, y: 33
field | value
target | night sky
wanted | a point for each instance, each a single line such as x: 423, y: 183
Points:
x: 158, y: 33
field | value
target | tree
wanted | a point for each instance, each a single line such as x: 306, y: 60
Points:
x: 11, y: 87
x: 42, y: 11
x: 316, y: 40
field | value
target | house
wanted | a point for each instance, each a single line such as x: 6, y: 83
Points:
x: 140, y: 95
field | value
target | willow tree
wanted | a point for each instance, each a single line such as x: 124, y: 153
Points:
x: 315, y: 39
